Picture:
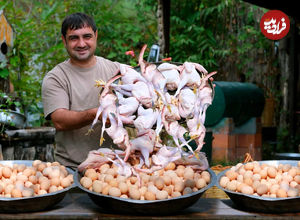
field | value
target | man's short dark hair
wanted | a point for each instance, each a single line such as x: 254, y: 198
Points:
x: 76, y: 21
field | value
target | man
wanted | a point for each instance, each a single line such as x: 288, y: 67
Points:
x: 69, y: 96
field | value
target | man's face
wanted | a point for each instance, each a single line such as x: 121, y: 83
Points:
x: 81, y: 43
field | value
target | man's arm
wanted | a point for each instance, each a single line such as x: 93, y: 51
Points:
x: 64, y: 119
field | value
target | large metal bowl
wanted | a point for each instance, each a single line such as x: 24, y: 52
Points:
x: 31, y: 204
x: 263, y: 204
x: 12, y: 118
x: 145, y: 207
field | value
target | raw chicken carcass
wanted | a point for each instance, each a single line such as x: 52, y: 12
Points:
x: 187, y: 100
x: 146, y: 118
x: 171, y: 74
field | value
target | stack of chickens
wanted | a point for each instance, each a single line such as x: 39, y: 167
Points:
x: 163, y: 98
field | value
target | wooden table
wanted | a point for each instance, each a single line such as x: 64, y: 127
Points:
x: 78, y: 205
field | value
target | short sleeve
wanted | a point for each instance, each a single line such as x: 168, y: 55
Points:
x: 54, y: 95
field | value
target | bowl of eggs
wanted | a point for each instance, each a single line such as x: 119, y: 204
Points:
x: 166, y: 191
x: 271, y: 186
x: 27, y: 186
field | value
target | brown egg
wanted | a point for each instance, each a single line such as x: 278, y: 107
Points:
x: 297, y: 179
x: 187, y: 190
x: 292, y: 192
x: 271, y: 172
x: 201, y: 183
x: 248, y: 181
x: 170, y: 166
x: 274, y: 188
x: 159, y: 183
x: 55, y: 181
x: 56, y: 173
x: 231, y: 185
x: 41, y: 167
x: 123, y: 187
x: 97, y: 186
x: 262, y: 189
x: 53, y: 189
x: 256, y: 169
x: 135, y: 193
x: 190, y: 183
x: 22, y: 177
x: 179, y: 186
x: 21, y: 167
x: 16, y: 193
x: 8, y: 189
x: 281, y: 193
x: 179, y: 172
x: 86, y: 182
x: 65, y: 182
x: 292, y: 172
x: 263, y: 174
x: 6, y: 172
x: 27, y: 192
x: 161, y: 194
x: 231, y: 175
x: 35, y: 163
x: 45, y: 185
x: 42, y: 192
x: 27, y: 172
x: 188, y: 173
x: 249, y: 166
x: 114, y: 191
x: 247, y: 190
x: 286, y: 167
x: 248, y: 174
x: 168, y: 180
x: 108, y: 178
x: 150, y: 196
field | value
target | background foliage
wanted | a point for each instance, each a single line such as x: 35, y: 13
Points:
x: 218, y: 34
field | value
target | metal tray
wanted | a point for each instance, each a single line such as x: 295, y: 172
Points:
x: 35, y: 203
x: 145, y: 207
x: 263, y: 204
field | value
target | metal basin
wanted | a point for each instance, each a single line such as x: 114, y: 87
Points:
x: 145, y: 207
x: 31, y: 204
x: 287, y: 156
x: 12, y: 118
x: 263, y: 204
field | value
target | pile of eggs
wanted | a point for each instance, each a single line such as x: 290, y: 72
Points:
x: 263, y: 180
x: 41, y: 178
x: 170, y: 182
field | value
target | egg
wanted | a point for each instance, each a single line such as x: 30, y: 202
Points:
x: 6, y: 172
x: 170, y: 166
x: 247, y: 190
x: 231, y: 175
x: 179, y: 172
x: 16, y: 193
x: 42, y: 192
x: 53, y: 189
x: 55, y: 181
x: 123, y: 187
x: 261, y: 189
x: 65, y: 182
x: 281, y: 193
x: 201, y: 183
x: 159, y: 183
x: 41, y: 167
x: 292, y: 192
x: 179, y: 186
x: 27, y: 192
x: 161, y: 194
x: 135, y: 193
x: 168, y: 180
x: 274, y: 188
x: 86, y: 182
x: 27, y: 172
x: 114, y: 191
x: 35, y: 163
x: 231, y: 185
x: 249, y: 166
x: 149, y: 196
x: 97, y: 186
x: 45, y: 185
x: 21, y: 167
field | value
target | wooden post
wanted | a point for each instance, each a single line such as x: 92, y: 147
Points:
x: 163, y: 16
